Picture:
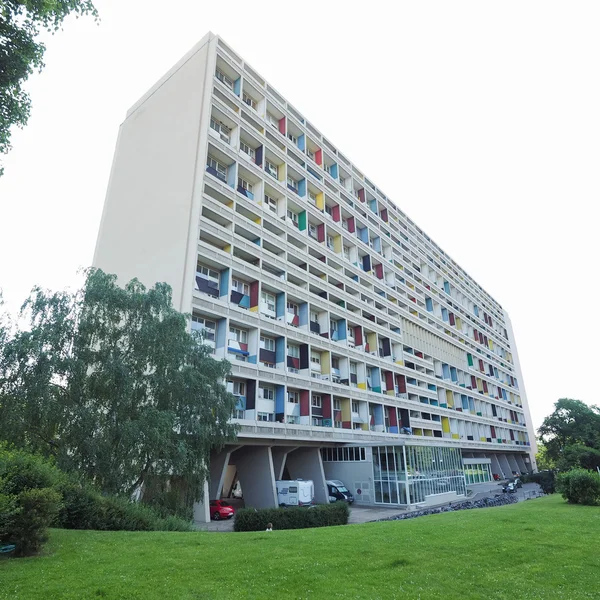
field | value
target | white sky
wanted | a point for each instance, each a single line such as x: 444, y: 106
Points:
x: 481, y: 120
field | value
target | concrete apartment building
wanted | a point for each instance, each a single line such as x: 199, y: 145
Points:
x: 360, y: 350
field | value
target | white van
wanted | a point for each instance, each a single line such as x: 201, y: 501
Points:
x: 295, y: 492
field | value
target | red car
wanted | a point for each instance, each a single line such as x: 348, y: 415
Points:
x: 219, y: 509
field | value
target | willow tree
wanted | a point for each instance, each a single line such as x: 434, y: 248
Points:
x: 22, y: 52
x: 109, y: 381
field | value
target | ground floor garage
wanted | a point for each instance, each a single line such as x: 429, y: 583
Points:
x: 401, y: 475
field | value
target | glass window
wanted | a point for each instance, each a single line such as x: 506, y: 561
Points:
x: 316, y: 401
x: 267, y: 343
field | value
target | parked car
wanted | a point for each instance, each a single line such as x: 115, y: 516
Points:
x: 338, y: 491
x: 220, y: 509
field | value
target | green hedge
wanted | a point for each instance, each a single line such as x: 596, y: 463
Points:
x: 579, y: 486
x: 35, y: 495
x: 545, y: 479
x: 322, y: 515
x: 29, y: 501
x: 85, y: 508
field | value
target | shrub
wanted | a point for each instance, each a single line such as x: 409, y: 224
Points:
x: 86, y: 508
x: 323, y: 515
x: 545, y: 479
x: 29, y: 502
x: 579, y: 486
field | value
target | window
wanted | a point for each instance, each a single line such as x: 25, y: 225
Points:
x: 292, y: 308
x: 293, y: 397
x: 240, y: 286
x: 239, y: 335
x: 267, y: 343
x: 271, y: 168
x: 312, y: 230
x: 327, y: 168
x: 267, y: 393
x: 335, y: 362
x: 346, y: 252
x: 293, y: 351
x: 223, y: 78
x: 239, y: 414
x: 239, y: 388
x: 221, y: 129
x: 328, y: 209
x: 316, y: 401
x: 343, y: 454
x: 269, y: 300
x: 353, y: 368
x: 355, y: 406
x: 315, y: 358
x: 207, y: 327
x: 350, y: 332
x: 220, y: 169
x: 207, y: 272
x: 292, y: 184
x: 312, y: 197
x: 251, y: 102
x: 247, y: 150
x: 273, y: 121
x: 337, y: 404
x: 310, y: 154
x: 314, y: 316
x: 317, y: 421
x: 293, y: 420
x: 343, y: 181
x: 271, y: 203
x: 330, y: 242
x: 245, y: 185
x: 293, y: 138
x: 345, y: 224
x: 262, y: 416
x: 293, y: 217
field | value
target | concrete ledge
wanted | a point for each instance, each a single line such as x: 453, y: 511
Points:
x: 435, y: 499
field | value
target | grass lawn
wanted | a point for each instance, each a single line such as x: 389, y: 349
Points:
x: 536, y: 549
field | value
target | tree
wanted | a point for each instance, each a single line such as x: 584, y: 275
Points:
x: 21, y: 54
x: 110, y: 382
x: 571, y: 435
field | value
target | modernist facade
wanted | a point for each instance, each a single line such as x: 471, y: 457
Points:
x: 360, y: 350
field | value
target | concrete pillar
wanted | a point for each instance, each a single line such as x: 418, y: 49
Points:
x: 521, y: 464
x: 496, y: 468
x: 257, y: 478
x: 505, y: 465
x: 306, y: 463
x: 201, y: 508
x: 218, y: 469
x: 514, y: 466
x: 279, y: 454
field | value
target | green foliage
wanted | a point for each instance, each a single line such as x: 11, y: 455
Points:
x: 544, y: 462
x: 545, y: 479
x: 110, y: 382
x: 571, y: 435
x: 323, y: 515
x: 85, y: 508
x: 21, y: 54
x: 34, y: 494
x: 29, y: 502
x: 579, y: 486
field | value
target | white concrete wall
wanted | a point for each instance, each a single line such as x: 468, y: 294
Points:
x: 523, y: 394
x: 150, y: 219
x: 354, y: 475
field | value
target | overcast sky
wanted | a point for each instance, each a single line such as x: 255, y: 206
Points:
x: 481, y: 120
